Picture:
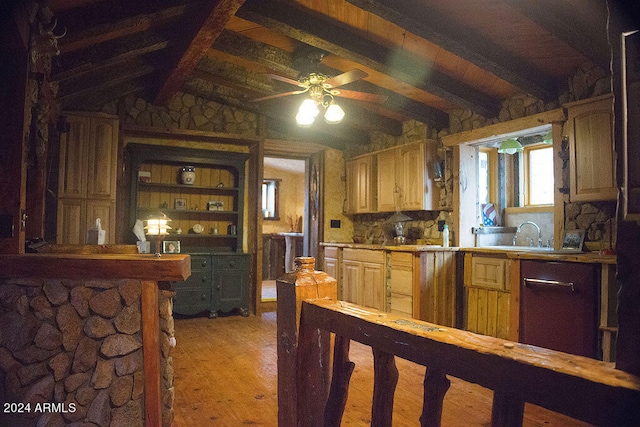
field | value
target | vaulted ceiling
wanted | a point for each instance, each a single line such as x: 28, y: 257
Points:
x: 425, y: 57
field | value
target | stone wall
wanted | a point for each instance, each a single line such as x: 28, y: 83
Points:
x: 184, y: 111
x: 72, y: 351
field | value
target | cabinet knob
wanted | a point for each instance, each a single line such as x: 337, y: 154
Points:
x: 204, y: 263
x: 203, y: 297
x: 204, y: 279
x: 232, y: 264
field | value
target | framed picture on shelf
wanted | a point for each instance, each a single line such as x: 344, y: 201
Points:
x: 180, y: 204
x: 573, y: 239
x: 171, y: 247
x: 215, y: 205
x: 144, y: 176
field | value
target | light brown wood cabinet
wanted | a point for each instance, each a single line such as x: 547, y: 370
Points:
x: 331, y: 265
x: 592, y: 159
x: 87, y: 177
x: 403, y: 172
x: 401, y: 283
x: 487, y: 294
x: 360, y: 185
x: 363, y: 277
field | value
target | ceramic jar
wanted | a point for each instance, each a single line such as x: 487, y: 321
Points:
x: 188, y: 175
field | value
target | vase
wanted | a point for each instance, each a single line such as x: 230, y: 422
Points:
x: 188, y: 175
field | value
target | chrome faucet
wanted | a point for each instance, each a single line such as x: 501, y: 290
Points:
x: 515, y: 237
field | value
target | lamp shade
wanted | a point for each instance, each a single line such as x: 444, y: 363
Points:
x: 334, y: 114
x: 510, y: 146
x: 307, y: 113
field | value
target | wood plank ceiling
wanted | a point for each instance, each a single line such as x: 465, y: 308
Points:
x: 428, y: 57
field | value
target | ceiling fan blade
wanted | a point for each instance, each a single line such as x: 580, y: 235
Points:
x: 361, y: 96
x: 344, y: 78
x: 286, y: 80
x: 278, y: 95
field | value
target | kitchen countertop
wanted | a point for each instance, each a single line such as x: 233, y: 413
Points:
x: 516, y: 252
x: 399, y: 248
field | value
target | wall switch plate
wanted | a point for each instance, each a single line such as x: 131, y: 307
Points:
x: 441, y: 224
x: 335, y: 223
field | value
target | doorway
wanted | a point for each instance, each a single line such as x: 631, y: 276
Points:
x: 285, y: 220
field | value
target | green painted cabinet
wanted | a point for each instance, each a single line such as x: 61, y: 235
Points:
x: 219, y: 282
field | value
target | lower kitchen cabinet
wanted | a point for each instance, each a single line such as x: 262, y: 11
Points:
x: 218, y: 282
x: 488, y: 296
x: 363, y: 277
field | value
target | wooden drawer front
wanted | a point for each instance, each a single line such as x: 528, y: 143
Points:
x: 200, y: 262
x: 363, y: 255
x: 488, y: 272
x: 196, y: 280
x: 230, y: 262
x: 401, y: 304
x: 192, y: 300
x: 401, y: 259
x: 401, y: 281
x: 331, y: 252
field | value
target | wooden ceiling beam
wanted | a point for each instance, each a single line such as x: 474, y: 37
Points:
x: 108, y: 77
x: 417, y: 18
x: 208, y: 32
x: 108, y: 54
x: 324, y: 34
x: 100, y: 33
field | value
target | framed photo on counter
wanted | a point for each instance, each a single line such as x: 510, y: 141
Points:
x: 573, y: 239
x: 171, y: 246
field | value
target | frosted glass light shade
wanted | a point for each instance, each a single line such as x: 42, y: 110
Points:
x: 307, y: 113
x: 334, y: 114
x: 510, y: 146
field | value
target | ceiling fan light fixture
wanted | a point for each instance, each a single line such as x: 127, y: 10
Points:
x: 510, y: 146
x: 334, y: 114
x: 307, y: 113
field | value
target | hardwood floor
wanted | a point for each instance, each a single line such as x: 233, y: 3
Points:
x: 225, y: 375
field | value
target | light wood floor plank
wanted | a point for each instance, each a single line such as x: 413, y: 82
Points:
x: 225, y: 375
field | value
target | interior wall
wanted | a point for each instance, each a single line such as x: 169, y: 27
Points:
x: 291, y: 195
x: 334, y: 198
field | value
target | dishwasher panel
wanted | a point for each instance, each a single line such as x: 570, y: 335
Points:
x: 558, y: 306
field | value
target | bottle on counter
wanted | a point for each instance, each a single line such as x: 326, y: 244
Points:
x: 445, y: 236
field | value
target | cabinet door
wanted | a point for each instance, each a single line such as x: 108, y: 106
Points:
x: 592, y: 163
x: 387, y: 180
x: 231, y: 283
x: 73, y: 158
x: 372, y: 286
x: 359, y: 185
x: 351, y: 277
x: 413, y: 176
x: 71, y: 221
x: 102, y: 158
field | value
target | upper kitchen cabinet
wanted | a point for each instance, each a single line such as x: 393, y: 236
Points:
x: 87, y: 176
x: 592, y: 159
x: 403, y: 182
x: 360, y: 185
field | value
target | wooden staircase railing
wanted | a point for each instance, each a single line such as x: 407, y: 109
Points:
x: 308, y: 312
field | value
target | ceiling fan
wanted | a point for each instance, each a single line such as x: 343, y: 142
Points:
x: 322, y: 89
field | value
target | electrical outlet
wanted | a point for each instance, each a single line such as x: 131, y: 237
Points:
x: 335, y: 223
x: 441, y: 224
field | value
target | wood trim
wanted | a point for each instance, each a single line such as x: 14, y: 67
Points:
x: 514, y: 300
x: 151, y: 353
x: 97, y: 266
x: 503, y: 130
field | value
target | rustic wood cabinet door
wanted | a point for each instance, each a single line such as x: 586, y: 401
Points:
x: 387, y: 180
x: 359, y: 185
x: 413, y: 177
x: 592, y: 164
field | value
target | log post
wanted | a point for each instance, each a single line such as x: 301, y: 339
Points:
x: 384, y: 387
x: 507, y: 410
x: 436, y: 385
x: 292, y: 288
x: 342, y: 370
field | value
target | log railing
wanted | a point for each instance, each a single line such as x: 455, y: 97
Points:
x: 308, y: 312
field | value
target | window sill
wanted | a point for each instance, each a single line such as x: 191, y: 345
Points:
x: 529, y: 209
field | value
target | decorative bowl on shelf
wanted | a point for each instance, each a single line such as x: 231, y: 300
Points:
x: 197, y: 228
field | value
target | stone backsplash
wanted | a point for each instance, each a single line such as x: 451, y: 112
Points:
x: 72, y: 351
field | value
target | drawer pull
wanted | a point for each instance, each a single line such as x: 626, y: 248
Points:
x: 552, y: 283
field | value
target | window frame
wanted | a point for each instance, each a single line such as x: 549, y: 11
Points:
x: 526, y: 173
x: 492, y: 168
x: 275, y: 216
